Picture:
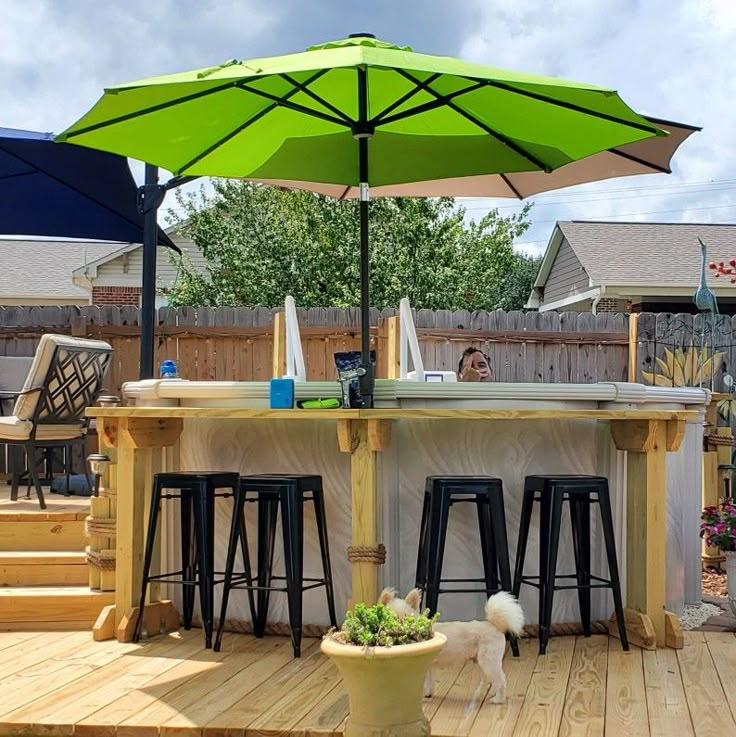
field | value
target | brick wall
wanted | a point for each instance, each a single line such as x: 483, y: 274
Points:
x: 612, y: 305
x: 116, y: 296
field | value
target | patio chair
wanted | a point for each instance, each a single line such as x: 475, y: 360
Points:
x: 64, y: 379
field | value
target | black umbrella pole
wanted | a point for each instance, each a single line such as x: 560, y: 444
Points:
x: 367, y: 380
x: 149, y: 200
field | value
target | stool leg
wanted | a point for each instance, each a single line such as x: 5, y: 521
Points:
x: 580, y: 519
x: 439, y: 512
x: 236, y: 525
x: 148, y: 556
x: 243, y: 535
x: 420, y: 580
x: 524, y: 523
x: 487, y: 545
x: 201, y: 535
x: 319, y: 512
x: 268, y: 508
x: 292, y: 521
x: 501, y: 543
x: 552, y: 511
x: 604, y: 502
x: 187, y: 565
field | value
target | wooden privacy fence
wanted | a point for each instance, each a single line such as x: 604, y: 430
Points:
x: 227, y: 343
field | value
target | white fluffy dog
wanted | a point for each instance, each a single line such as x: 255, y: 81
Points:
x: 482, y: 641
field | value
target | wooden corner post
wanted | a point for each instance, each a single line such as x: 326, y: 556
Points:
x: 363, y: 439
x: 646, y: 443
x: 139, y: 443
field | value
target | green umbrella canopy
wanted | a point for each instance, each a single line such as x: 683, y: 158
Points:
x: 296, y: 117
x: 356, y: 112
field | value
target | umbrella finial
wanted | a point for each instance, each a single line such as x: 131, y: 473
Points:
x: 362, y: 35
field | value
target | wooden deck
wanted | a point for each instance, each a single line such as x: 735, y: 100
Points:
x: 54, y: 684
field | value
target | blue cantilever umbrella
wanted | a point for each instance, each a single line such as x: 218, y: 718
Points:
x: 64, y: 191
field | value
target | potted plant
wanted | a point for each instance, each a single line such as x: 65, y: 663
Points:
x: 383, y: 661
x: 718, y: 527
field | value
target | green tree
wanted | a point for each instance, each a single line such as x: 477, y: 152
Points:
x: 262, y: 243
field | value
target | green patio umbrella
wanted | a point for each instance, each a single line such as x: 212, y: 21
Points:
x: 355, y: 113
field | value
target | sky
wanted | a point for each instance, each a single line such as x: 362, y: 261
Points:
x: 673, y: 59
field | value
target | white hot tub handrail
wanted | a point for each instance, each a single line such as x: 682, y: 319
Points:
x: 408, y: 342
x: 295, y: 367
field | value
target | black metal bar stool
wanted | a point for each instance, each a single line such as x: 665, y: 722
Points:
x: 197, y: 492
x: 580, y: 492
x: 440, y: 493
x: 290, y: 492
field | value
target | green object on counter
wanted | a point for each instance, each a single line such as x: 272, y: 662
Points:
x: 328, y: 403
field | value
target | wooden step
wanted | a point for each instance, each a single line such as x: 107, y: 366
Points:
x: 51, y: 607
x: 45, y: 532
x: 43, y: 568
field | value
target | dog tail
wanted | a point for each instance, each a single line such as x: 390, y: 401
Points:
x: 505, y: 614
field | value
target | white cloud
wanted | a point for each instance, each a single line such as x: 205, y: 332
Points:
x: 672, y: 59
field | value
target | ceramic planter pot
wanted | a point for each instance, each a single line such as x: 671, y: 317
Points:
x: 385, y: 686
x: 731, y: 578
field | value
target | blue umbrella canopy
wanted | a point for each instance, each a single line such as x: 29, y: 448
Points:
x: 64, y: 191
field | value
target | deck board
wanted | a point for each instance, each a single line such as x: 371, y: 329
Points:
x: 60, y: 684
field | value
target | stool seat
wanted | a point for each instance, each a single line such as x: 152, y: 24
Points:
x: 441, y: 493
x: 197, y: 492
x: 579, y: 491
x: 288, y: 492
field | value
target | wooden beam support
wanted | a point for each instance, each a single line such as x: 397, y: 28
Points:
x: 104, y: 626
x: 149, y: 432
x: 379, y: 434
x: 673, y: 631
x: 639, y: 629
x: 675, y: 434
x: 347, y: 435
x: 634, y: 435
x: 158, y: 617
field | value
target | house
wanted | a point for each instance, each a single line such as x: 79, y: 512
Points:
x: 63, y: 272
x: 631, y: 267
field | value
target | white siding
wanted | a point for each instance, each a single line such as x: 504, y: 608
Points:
x: 115, y: 274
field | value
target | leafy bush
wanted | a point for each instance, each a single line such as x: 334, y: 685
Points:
x: 378, y: 625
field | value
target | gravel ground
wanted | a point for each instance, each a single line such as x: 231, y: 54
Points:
x: 714, y: 582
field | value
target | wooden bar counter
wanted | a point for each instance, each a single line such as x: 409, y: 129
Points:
x: 374, y: 461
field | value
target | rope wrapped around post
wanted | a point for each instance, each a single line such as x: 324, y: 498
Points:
x: 367, y: 554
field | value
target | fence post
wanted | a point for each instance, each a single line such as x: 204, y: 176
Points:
x: 388, y: 348
x: 633, y: 346
x: 278, y: 368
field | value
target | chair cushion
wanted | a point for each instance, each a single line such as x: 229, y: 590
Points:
x: 13, y: 428
x: 25, y: 406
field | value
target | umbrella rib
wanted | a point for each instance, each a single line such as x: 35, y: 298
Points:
x: 304, y: 87
x: 243, y: 126
x: 280, y: 101
x: 643, y: 162
x: 440, y: 101
x: 470, y: 117
x: 144, y: 111
x: 566, y: 105
x: 404, y: 98
x: 511, y: 186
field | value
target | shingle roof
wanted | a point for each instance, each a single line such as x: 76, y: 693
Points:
x: 43, y: 269
x: 648, y: 253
